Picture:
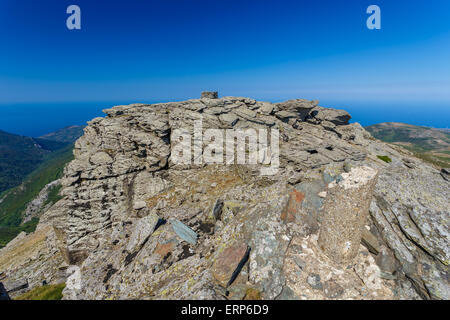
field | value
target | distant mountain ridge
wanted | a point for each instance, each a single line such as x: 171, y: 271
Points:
x: 68, y: 134
x: 428, y: 143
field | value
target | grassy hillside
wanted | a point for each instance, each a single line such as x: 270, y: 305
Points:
x: 429, y: 144
x: 16, y: 200
x: 48, y: 292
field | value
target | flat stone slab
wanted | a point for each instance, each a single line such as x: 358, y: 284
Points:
x: 227, y: 263
x: 184, y: 232
x: 143, y: 229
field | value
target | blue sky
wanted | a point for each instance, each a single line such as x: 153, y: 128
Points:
x: 138, y: 50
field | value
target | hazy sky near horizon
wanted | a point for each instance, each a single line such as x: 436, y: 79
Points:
x: 173, y: 49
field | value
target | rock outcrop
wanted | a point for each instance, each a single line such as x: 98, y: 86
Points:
x: 136, y: 224
x: 31, y: 260
x: 411, y: 214
x: 39, y: 205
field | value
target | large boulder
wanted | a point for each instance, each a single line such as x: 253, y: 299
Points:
x: 337, y: 117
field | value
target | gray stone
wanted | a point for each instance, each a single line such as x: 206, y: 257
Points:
x: 410, y: 210
x: 332, y: 289
x: 237, y: 291
x: 184, y: 232
x: 337, y: 117
x: 308, y: 215
x: 217, y: 209
x: 347, y: 167
x: 299, y: 108
x: 300, y: 263
x: 370, y: 241
x: 143, y: 228
x: 266, y: 108
x: 314, y: 281
x: 229, y: 119
x: 386, y: 261
x: 287, y: 294
x: 139, y: 205
x: 387, y: 276
x: 285, y: 115
x: 13, y: 286
x: 245, y: 113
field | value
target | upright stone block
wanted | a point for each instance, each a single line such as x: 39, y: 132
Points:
x: 210, y: 94
x: 345, y: 213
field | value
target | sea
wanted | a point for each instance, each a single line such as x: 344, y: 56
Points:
x: 37, y: 119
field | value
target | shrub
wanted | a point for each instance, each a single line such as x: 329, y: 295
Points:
x: 385, y: 158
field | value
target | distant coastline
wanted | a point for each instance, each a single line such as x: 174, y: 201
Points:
x: 36, y: 119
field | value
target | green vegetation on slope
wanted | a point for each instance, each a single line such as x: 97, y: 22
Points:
x: 16, y: 200
x: 48, y: 292
x: 53, y: 195
x: 423, y: 138
x: 9, y: 233
x: 20, y: 155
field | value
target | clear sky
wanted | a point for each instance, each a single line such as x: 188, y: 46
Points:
x: 139, y: 50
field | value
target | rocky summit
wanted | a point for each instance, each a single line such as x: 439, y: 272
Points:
x: 135, y: 224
